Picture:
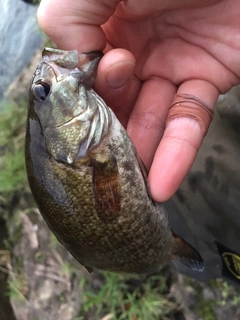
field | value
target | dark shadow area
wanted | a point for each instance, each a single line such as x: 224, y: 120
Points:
x: 6, y: 311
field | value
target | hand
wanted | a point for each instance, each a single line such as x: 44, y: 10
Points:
x: 154, y: 50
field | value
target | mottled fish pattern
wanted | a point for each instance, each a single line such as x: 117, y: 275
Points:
x: 86, y: 177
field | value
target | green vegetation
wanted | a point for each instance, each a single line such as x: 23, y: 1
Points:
x: 121, y: 297
x: 12, y: 134
x: 17, y: 287
x: 219, y: 295
x: 205, y: 309
x: 228, y: 294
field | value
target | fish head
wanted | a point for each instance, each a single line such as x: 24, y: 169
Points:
x: 72, y: 117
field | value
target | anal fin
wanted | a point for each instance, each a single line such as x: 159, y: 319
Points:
x: 187, y: 254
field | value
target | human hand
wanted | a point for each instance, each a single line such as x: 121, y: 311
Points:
x: 153, y: 51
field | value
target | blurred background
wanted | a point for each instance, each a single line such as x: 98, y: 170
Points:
x: 40, y: 280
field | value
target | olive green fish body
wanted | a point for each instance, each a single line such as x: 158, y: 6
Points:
x: 86, y: 177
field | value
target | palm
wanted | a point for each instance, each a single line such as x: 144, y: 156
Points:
x: 180, y: 46
x: 183, y: 44
x: 174, y: 47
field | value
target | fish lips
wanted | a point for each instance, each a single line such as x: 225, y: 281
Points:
x: 65, y: 62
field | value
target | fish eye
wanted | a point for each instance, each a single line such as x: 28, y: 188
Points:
x: 41, y: 90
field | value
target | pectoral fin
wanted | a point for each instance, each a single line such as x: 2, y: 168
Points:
x: 184, y: 252
x: 106, y: 189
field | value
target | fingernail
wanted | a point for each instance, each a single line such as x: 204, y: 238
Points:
x: 119, y: 75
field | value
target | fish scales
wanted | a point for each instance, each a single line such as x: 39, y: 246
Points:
x: 86, y: 177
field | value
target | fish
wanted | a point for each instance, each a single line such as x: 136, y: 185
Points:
x: 86, y: 177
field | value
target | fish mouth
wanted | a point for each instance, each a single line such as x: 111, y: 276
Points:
x: 89, y: 114
x: 70, y: 59
x: 72, y: 62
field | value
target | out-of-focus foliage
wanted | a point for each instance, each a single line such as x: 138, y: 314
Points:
x: 122, y: 297
x: 12, y: 135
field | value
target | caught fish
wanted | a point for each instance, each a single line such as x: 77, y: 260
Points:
x: 86, y: 177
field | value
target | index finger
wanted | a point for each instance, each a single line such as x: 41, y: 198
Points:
x: 75, y: 24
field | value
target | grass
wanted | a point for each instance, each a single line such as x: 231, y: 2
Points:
x: 229, y: 295
x: 12, y: 134
x: 121, y: 297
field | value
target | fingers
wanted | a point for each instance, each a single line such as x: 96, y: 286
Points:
x: 180, y: 143
x: 147, y: 120
x: 116, y: 82
x: 75, y: 24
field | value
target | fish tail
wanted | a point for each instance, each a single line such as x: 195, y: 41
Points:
x: 186, y: 254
